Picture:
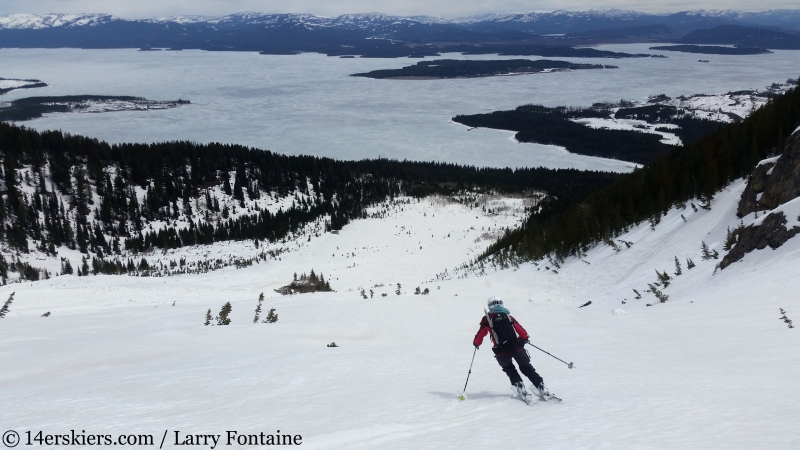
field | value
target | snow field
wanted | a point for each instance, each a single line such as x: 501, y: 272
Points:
x: 713, y: 367
x: 632, y: 125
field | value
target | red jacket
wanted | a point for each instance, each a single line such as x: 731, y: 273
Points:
x: 485, y: 329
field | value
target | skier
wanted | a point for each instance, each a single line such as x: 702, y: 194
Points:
x: 509, y: 338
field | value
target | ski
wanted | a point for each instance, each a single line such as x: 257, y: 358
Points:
x: 549, y: 398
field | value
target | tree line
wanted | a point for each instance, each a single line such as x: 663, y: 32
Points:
x: 82, y: 193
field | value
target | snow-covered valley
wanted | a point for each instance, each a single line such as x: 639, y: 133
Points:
x: 712, y: 367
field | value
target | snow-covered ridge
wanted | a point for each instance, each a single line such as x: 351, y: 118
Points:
x: 728, y: 107
x: 365, y: 20
x: 38, y: 21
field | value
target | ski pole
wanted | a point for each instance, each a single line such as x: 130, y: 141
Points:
x: 569, y: 365
x: 468, y: 373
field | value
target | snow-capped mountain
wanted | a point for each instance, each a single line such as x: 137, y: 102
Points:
x: 371, y: 34
x: 376, y: 19
x: 39, y: 21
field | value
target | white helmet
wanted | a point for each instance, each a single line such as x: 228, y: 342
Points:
x: 494, y: 301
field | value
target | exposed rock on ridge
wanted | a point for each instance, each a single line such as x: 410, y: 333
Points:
x: 774, y: 182
x: 777, y: 182
x: 771, y: 232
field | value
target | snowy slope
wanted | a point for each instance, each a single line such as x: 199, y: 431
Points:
x: 37, y: 21
x: 713, y: 367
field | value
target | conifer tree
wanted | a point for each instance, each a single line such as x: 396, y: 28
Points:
x: 258, y: 307
x: 663, y: 278
x: 223, y: 318
x: 66, y: 267
x: 678, y: 270
x: 730, y: 240
x: 705, y: 252
x: 659, y: 295
x: 272, y: 317
x: 689, y: 263
x: 6, y: 305
x: 208, y: 317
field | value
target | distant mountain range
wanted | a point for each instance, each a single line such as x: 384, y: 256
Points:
x: 378, y: 34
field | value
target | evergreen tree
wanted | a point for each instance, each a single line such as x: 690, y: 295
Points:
x: 222, y: 318
x: 705, y: 252
x: 66, y: 267
x: 6, y: 305
x: 678, y: 270
x: 272, y: 317
x: 258, y: 307
x: 208, y: 317
x: 689, y: 263
x: 663, y: 278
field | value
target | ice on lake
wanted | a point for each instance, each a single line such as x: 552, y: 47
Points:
x: 308, y: 104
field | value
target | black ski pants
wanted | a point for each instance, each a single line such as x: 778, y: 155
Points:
x: 524, y: 362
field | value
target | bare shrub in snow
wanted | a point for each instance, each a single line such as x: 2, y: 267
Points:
x: 785, y: 319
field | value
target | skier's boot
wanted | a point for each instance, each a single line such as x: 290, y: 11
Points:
x: 522, y: 392
x: 546, y: 396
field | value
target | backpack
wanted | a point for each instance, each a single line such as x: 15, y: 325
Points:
x: 505, y: 335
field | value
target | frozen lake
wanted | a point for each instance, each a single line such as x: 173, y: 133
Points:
x: 307, y: 104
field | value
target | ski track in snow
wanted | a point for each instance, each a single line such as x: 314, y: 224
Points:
x: 713, y: 367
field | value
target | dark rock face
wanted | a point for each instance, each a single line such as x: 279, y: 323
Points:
x: 772, y: 232
x: 758, y: 182
x: 777, y: 188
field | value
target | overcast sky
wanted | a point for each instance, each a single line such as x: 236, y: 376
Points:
x: 446, y: 8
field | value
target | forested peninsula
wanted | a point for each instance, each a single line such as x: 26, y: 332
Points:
x: 34, y: 107
x: 453, y: 68
x: 9, y: 84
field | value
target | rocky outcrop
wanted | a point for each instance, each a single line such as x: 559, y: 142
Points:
x: 756, y: 185
x: 777, y: 183
x: 770, y: 232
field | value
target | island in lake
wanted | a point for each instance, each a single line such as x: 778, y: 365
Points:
x: 9, y: 84
x: 713, y: 49
x: 453, y: 68
x: 34, y: 107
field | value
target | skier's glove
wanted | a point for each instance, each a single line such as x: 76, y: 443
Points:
x: 477, y: 346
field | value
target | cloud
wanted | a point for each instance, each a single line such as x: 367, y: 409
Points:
x: 446, y: 8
